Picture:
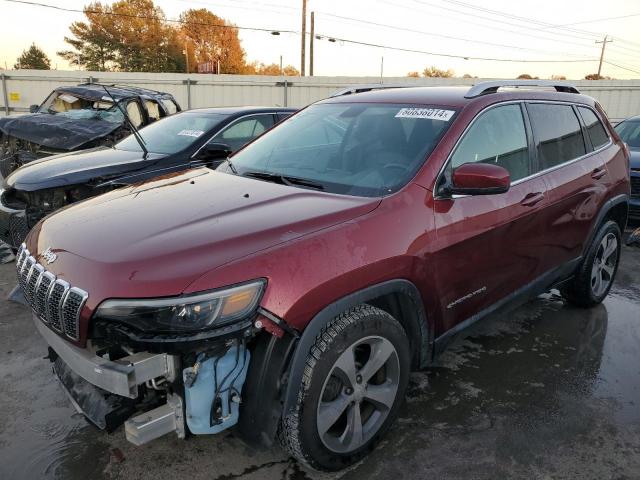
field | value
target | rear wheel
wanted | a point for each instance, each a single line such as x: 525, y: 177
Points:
x: 355, y: 378
x: 598, y: 269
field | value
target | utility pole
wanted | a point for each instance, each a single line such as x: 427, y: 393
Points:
x: 311, y: 46
x: 186, y: 55
x: 381, y: 68
x: 281, y: 72
x: 304, y: 37
x: 604, y: 43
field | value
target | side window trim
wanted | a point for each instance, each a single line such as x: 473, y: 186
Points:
x: 531, y: 142
x: 586, y: 139
x: 586, y: 132
x: 229, y: 125
x: 529, y: 134
x: 589, y: 153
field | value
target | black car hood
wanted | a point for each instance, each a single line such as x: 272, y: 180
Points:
x: 56, y: 131
x: 97, y: 164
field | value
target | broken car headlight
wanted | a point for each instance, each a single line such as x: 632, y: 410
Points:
x: 188, y: 313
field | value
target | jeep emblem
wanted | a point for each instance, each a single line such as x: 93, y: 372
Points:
x: 49, y: 256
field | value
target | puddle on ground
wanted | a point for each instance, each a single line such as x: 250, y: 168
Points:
x: 510, y: 394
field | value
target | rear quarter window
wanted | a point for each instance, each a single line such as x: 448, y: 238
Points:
x: 557, y: 133
x: 595, y: 129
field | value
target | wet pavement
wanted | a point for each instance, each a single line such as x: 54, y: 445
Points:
x: 545, y: 392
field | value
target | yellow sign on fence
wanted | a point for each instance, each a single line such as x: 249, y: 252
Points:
x: 14, y: 96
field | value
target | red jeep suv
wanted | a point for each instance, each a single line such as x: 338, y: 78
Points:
x: 289, y: 293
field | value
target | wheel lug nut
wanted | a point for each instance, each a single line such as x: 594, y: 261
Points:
x: 349, y: 391
x: 359, y: 379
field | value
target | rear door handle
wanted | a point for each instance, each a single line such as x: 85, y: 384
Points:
x: 598, y: 173
x: 532, y: 199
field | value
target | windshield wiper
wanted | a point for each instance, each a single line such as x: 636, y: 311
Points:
x: 233, y: 169
x: 285, y: 179
x: 134, y: 130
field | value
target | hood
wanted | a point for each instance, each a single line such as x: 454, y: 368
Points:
x: 75, y: 168
x: 56, y: 131
x: 156, y: 238
x: 634, y: 158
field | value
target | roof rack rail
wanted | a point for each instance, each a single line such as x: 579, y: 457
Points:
x: 492, y: 86
x: 121, y: 86
x: 368, y: 88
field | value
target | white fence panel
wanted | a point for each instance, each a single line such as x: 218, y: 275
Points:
x: 21, y: 88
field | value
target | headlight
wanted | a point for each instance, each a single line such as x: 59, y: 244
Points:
x: 202, y: 311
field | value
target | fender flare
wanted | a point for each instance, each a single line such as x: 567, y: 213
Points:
x: 298, y: 361
x: 604, y: 210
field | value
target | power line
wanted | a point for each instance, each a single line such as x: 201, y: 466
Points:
x: 499, y: 21
x: 516, y: 17
x: 492, y: 27
x: 620, y: 66
x: 420, y: 32
x: 546, y: 25
x: 464, y: 57
x: 149, y: 17
x: 598, y: 20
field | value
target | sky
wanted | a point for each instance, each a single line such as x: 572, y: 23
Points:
x: 484, y: 32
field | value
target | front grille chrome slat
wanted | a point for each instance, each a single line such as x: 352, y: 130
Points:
x: 52, y: 299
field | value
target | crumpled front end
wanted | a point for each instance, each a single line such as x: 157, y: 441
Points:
x: 154, y: 383
x: 20, y: 211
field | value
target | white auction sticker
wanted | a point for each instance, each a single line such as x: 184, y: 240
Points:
x: 191, y: 133
x: 428, y: 113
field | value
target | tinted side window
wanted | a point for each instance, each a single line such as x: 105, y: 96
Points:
x: 499, y: 137
x: 557, y: 133
x: 595, y: 129
x: 244, y: 130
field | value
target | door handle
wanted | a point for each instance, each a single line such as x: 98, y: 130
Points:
x: 532, y: 199
x: 598, y: 173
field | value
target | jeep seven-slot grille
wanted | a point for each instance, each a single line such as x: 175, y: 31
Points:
x: 54, y: 301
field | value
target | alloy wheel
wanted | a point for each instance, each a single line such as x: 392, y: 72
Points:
x: 604, y: 264
x: 358, y: 394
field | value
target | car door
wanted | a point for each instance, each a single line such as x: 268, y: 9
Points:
x: 489, y: 246
x: 570, y: 159
x: 243, y: 130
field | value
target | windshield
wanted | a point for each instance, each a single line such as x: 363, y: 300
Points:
x: 173, y: 134
x: 77, y: 108
x: 629, y: 131
x: 355, y: 149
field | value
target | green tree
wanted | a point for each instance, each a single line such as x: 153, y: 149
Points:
x: 257, y: 68
x: 436, y: 72
x: 33, y: 58
x: 94, y: 44
x: 130, y: 35
x: 210, y: 38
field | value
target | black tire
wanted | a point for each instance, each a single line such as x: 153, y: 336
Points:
x: 299, y: 431
x: 581, y: 291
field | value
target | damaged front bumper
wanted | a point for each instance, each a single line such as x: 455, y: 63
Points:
x: 88, y: 379
x: 153, y: 393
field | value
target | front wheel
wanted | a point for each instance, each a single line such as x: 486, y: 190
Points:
x: 598, y: 269
x: 355, y: 379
